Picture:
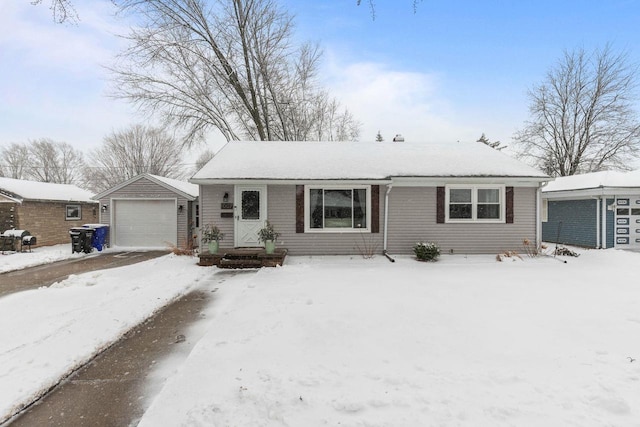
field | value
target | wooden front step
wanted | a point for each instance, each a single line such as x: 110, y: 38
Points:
x: 240, y: 263
x: 243, y: 258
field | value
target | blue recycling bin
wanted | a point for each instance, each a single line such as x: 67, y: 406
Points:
x: 99, y: 237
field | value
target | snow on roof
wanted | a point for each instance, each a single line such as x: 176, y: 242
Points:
x: 33, y: 190
x: 594, y: 180
x: 185, y: 187
x: 358, y: 160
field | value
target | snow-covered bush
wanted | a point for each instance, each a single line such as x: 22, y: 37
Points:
x: 426, y: 251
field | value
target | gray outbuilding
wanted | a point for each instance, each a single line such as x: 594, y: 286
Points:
x: 149, y: 211
x: 594, y: 210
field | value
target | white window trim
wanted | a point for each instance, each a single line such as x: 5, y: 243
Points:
x: 307, y: 209
x: 474, y: 204
x: 545, y: 210
x: 72, y: 218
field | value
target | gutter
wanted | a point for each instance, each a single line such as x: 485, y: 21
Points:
x: 386, y: 223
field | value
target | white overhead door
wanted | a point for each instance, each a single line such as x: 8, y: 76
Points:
x: 628, y: 222
x: 145, y: 223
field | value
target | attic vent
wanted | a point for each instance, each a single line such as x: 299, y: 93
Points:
x: 398, y: 138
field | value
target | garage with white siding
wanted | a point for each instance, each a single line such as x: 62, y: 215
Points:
x: 149, y: 211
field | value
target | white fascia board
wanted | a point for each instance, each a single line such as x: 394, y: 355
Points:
x: 589, y: 193
x: 290, y: 181
x: 9, y: 199
x: 442, y: 181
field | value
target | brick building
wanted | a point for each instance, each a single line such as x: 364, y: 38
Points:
x: 46, y: 210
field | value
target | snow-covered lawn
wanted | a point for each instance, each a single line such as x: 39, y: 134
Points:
x: 10, y: 261
x: 346, y: 341
x: 464, y: 341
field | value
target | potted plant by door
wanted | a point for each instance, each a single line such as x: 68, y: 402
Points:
x: 212, y: 235
x: 268, y: 235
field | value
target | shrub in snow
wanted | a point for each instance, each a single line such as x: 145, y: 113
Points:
x: 426, y: 251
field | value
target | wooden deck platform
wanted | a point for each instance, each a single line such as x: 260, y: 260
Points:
x: 243, y: 258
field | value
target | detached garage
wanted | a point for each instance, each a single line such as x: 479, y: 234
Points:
x: 150, y: 211
x: 594, y: 210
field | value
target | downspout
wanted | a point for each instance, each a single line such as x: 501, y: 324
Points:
x: 539, y: 213
x: 386, y: 223
x: 598, y: 222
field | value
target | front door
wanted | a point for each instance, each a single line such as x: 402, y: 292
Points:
x: 250, y: 214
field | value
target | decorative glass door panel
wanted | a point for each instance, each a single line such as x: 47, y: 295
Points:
x: 251, y: 213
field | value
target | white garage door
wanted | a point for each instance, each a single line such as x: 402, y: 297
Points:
x: 628, y: 222
x: 145, y: 223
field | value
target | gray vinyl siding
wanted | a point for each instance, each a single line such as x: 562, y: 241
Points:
x: 412, y: 218
x: 575, y: 219
x: 145, y: 189
x: 210, y: 210
x: 282, y: 214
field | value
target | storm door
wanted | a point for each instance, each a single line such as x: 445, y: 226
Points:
x: 250, y: 214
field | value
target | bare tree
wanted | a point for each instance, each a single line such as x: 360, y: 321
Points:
x: 62, y: 10
x: 227, y: 65
x: 56, y: 162
x: 16, y: 160
x: 582, y: 115
x: 372, y: 6
x: 203, y: 159
x: 131, y: 152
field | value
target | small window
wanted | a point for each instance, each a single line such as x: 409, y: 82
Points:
x: 74, y: 212
x: 475, y: 204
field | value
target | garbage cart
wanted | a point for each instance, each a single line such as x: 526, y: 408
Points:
x: 81, y: 239
x: 100, y: 234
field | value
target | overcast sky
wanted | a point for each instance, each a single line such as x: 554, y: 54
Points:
x: 448, y: 72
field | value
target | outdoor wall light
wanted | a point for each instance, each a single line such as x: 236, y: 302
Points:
x: 225, y: 198
x: 180, y: 208
x: 104, y: 208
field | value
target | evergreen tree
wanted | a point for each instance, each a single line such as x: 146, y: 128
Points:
x: 379, y: 137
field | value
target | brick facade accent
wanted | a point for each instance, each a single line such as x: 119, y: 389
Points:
x: 47, y: 220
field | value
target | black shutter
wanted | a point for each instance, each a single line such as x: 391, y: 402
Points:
x: 299, y: 208
x: 440, y: 205
x: 509, y: 203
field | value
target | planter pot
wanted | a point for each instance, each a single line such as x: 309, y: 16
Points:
x: 269, y: 246
x: 213, y: 246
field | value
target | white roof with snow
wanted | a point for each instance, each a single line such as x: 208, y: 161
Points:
x: 33, y: 190
x: 184, y: 186
x: 359, y: 160
x: 188, y: 190
x: 595, y: 180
